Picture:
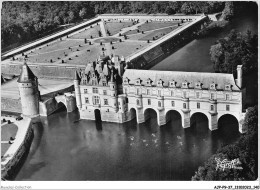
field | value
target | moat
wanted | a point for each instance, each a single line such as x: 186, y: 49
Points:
x: 63, y: 149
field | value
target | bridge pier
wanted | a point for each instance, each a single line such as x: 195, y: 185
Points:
x: 161, y: 118
x: 185, y: 120
x: 140, y: 116
x: 213, y: 122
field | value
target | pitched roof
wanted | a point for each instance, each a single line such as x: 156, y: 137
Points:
x: 191, y: 77
x: 76, y: 76
x: 26, y: 74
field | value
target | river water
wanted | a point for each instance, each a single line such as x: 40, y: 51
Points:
x: 66, y: 150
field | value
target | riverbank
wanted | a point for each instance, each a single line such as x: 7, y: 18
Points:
x: 12, y: 159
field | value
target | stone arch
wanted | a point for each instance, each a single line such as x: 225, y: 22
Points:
x: 228, y: 123
x: 61, y: 105
x: 148, y: 113
x: 169, y: 115
x: 197, y: 119
x: 97, y: 114
x: 133, y: 113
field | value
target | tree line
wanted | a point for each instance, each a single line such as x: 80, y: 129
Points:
x: 23, y: 21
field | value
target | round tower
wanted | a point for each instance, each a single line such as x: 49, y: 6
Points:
x: 77, y: 90
x: 29, y: 93
x: 113, y: 90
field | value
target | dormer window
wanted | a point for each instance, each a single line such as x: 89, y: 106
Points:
x: 149, y: 82
x: 198, y: 85
x: 160, y: 83
x: 185, y: 84
x: 138, y: 82
x: 172, y: 84
x: 212, y: 86
x: 126, y: 80
x: 228, y: 87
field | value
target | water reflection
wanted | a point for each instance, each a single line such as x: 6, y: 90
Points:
x: 89, y: 150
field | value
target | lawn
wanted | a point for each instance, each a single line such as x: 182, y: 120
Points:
x: 127, y: 48
x: 158, y: 33
x: 116, y: 27
x: 155, y: 25
x: 7, y: 131
x: 87, y: 33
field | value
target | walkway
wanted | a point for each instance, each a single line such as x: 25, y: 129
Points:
x: 104, y: 33
x: 134, y: 27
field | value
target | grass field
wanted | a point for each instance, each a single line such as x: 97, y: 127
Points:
x: 155, y: 25
x: 116, y: 27
x: 127, y: 48
x: 157, y: 34
x: 74, y: 50
x: 87, y: 33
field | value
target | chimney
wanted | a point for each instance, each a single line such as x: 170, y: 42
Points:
x: 239, y: 76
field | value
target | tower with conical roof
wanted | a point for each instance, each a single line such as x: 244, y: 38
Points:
x: 77, y: 90
x: 29, y: 93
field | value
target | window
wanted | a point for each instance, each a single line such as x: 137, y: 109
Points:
x: 104, y: 83
x: 227, y: 97
x: 105, y: 101
x: 85, y: 91
x: 125, y: 90
x: 86, y: 100
x: 159, y: 92
x: 159, y: 104
x: 227, y: 107
x: 104, y: 92
x: 149, y: 101
x: 172, y: 93
x: 126, y: 100
x: 173, y: 103
x: 95, y: 100
x: 138, y: 91
x: 137, y: 102
x: 197, y: 95
x: 212, y: 97
x: 198, y: 105
x: 184, y: 105
x: 211, y: 107
x: 95, y: 90
x: 184, y: 94
x: 148, y: 92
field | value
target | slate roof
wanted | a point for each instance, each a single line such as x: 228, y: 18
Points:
x: 221, y: 79
x: 26, y: 74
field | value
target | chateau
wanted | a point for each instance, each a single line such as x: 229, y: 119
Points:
x: 109, y: 91
x: 102, y: 92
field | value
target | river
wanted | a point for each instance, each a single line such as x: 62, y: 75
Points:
x: 66, y: 150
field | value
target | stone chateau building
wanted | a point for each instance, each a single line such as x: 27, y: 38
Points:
x: 109, y: 91
x: 105, y: 91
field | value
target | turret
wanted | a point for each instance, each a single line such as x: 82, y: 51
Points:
x: 77, y: 90
x: 29, y: 93
x: 239, y: 80
x: 113, y: 90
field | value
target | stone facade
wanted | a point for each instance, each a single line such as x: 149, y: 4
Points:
x: 29, y: 93
x: 212, y: 94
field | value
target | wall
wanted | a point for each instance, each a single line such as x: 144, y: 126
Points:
x: 21, y: 147
x: 43, y: 71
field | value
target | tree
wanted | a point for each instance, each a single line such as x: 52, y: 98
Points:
x: 235, y: 49
x: 83, y: 13
x: 246, y: 149
x: 71, y: 17
x: 228, y: 11
x: 169, y: 10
